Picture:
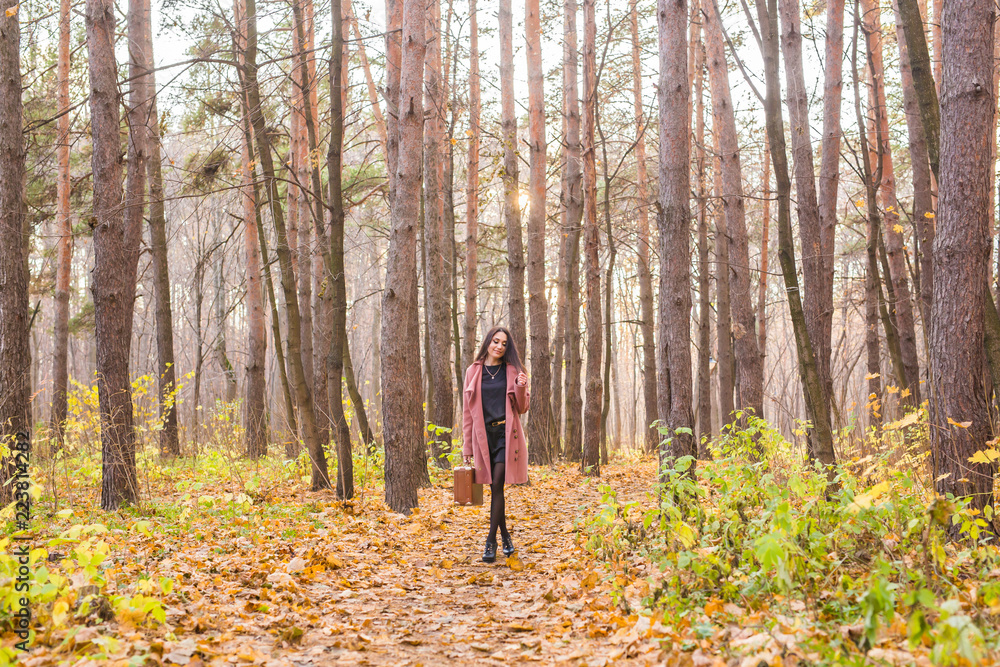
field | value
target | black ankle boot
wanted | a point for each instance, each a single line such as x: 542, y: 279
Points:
x: 508, y: 546
x: 490, y: 553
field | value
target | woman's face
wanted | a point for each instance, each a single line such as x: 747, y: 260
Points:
x: 498, y: 346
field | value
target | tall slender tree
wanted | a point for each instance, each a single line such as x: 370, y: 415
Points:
x: 704, y: 397
x: 673, y: 221
x: 873, y: 288
x: 116, y: 258
x: 511, y: 185
x: 15, y: 351
x: 748, y: 358
x: 724, y: 359
x: 64, y: 226
x: 335, y: 264
x: 472, y: 196
x: 807, y: 209
x: 642, y: 247
x: 255, y: 406
x: 767, y: 20
x: 303, y: 392
x: 441, y: 410
x: 961, y: 253
x: 829, y: 178
x: 765, y: 232
x: 166, y: 366
x: 901, y: 307
x: 402, y: 415
x: 540, y: 426
x: 572, y: 199
x: 923, y: 207
x: 590, y: 460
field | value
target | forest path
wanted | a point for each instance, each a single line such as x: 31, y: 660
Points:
x: 414, y: 590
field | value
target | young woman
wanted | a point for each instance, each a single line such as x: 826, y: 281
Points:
x: 496, y: 395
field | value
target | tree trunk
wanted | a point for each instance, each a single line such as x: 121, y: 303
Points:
x: 301, y: 192
x: 335, y: 264
x: 166, y: 366
x: 380, y: 126
x: 591, y: 462
x: 438, y: 286
x: 765, y: 230
x: 255, y: 401
x: 873, y: 290
x: 228, y: 372
x: 642, y: 246
x: 393, y: 63
x: 402, y: 416
x: 448, y: 194
x: 364, y: 427
x: 64, y: 228
x: 303, y: 392
x: 511, y: 187
x: 961, y: 254
x: 117, y: 236
x: 822, y: 448
x: 901, y: 304
x: 271, y: 300
x: 472, y: 197
x: 673, y: 220
x: 923, y: 207
x: 609, y: 271
x: 572, y: 197
x: 814, y: 265
x: 15, y: 350
x: 829, y: 179
x: 748, y: 357
x: 199, y: 355
x: 540, y: 425
x: 724, y: 315
x: 704, y: 271
x: 923, y: 80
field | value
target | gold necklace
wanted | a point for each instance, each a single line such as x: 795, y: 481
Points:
x: 493, y: 376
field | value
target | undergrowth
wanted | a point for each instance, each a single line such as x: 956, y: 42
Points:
x: 861, y: 563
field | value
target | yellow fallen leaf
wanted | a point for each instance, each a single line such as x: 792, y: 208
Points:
x: 514, y: 562
x: 909, y: 420
x: 928, y: 215
x: 898, y: 228
x: 872, y: 376
x: 892, y: 389
x: 714, y: 605
x: 985, y: 456
x: 959, y: 424
x: 590, y: 581
x: 12, y: 10
x: 520, y: 627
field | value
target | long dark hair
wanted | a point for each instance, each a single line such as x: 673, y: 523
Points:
x: 510, y: 356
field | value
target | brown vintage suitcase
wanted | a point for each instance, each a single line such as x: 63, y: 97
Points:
x: 467, y: 492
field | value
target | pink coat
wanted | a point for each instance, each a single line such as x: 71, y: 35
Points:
x: 474, y: 428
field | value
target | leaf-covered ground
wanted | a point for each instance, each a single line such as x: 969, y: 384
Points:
x: 302, y: 579
x: 228, y: 562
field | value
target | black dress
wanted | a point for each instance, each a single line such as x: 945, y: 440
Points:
x: 493, y: 390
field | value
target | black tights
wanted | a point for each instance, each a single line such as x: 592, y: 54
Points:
x: 498, y: 517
